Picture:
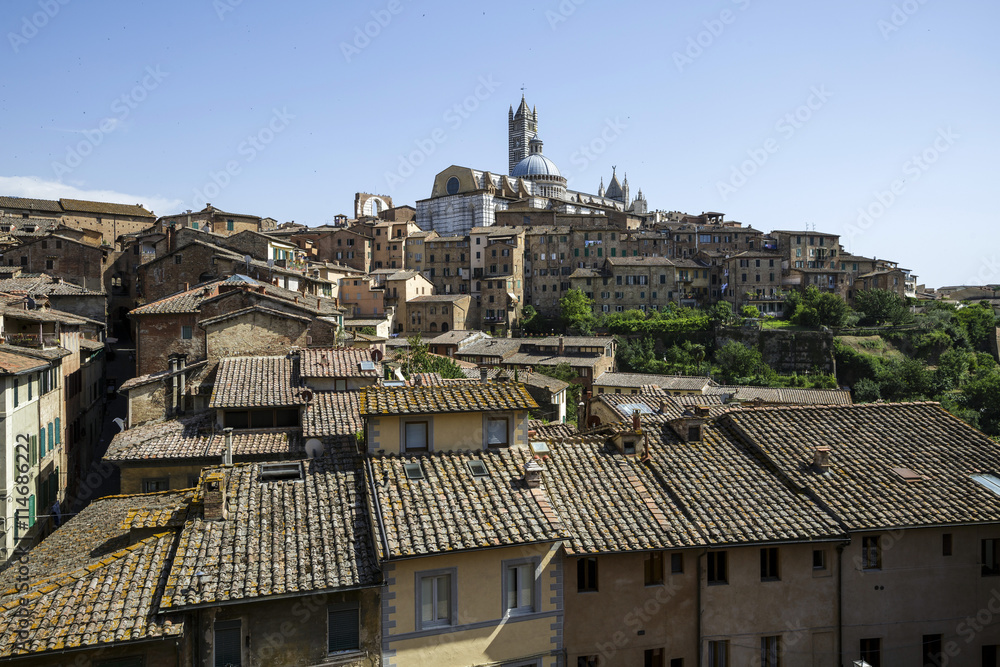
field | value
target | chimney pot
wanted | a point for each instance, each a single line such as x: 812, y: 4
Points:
x: 532, y: 474
x: 821, y: 458
x: 635, y: 420
x: 484, y: 375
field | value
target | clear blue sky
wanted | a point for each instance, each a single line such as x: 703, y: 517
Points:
x: 779, y: 114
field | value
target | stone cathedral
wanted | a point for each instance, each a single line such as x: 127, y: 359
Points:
x: 463, y: 198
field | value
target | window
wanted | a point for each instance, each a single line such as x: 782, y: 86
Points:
x: 933, y: 656
x: 178, y: 259
x: 769, y: 651
x: 653, y: 568
x: 154, y: 484
x: 496, y: 432
x: 229, y: 225
x: 586, y: 661
x: 344, y: 627
x: 991, y: 558
x: 519, y: 587
x: 586, y: 574
x: 871, y: 651
x: 946, y: 544
x: 415, y: 436
x: 677, y: 662
x: 871, y: 555
x: 676, y: 563
x: 435, y: 599
x: 228, y: 644
x: 769, y: 564
x: 653, y: 657
x: 187, y: 332
x: 717, y: 573
x: 718, y: 653
x: 819, y: 559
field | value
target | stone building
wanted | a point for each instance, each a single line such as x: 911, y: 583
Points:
x: 107, y: 220
x: 216, y: 221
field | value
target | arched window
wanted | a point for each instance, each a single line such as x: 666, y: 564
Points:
x: 434, y: 326
x: 444, y: 326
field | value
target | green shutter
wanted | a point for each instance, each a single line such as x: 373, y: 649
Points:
x: 31, y: 510
x: 58, y: 432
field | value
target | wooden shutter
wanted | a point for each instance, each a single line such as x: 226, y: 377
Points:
x: 344, y: 630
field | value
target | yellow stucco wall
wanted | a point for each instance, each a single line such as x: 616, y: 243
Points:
x: 446, y: 432
x: 481, y: 634
x: 131, y: 477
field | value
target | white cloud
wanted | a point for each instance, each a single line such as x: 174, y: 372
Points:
x: 37, y: 188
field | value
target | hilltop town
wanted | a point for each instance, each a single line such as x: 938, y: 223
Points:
x: 510, y: 424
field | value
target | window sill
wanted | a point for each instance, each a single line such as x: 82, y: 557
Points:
x: 341, y: 658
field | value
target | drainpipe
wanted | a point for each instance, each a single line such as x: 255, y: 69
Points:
x: 698, y: 602
x: 840, y: 602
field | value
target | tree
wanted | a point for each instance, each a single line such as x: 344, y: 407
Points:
x: 721, y: 312
x: 418, y: 359
x: 740, y: 364
x: 814, y: 308
x: 635, y: 354
x: 880, y: 306
x: 368, y: 331
x: 979, y: 322
x: 750, y: 311
x: 982, y: 395
x: 577, y: 312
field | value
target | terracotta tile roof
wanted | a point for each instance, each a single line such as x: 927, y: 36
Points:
x: 88, y: 586
x: 531, y: 379
x: 257, y: 382
x: 451, y: 510
x: 194, y: 438
x: 491, y: 347
x: 712, y: 492
x: 106, y: 207
x: 342, y: 362
x: 651, y: 403
x: 11, y: 362
x: 31, y: 204
x: 280, y: 537
x: 789, y: 395
x: 668, y: 382
x: 182, y: 302
x: 868, y: 441
x: 332, y: 413
x: 551, y: 430
x: 149, y: 378
x: 257, y: 308
x: 41, y: 284
x: 459, y: 397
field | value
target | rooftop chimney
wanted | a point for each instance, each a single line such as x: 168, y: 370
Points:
x: 635, y: 420
x: 562, y: 346
x: 216, y: 505
x: 532, y: 474
x: 227, y: 455
x: 664, y: 406
x: 484, y: 375
x: 701, y: 411
x: 821, y: 458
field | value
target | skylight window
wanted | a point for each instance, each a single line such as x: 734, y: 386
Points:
x: 991, y: 482
x: 367, y: 365
x: 413, y: 471
x: 539, y: 448
x: 280, y: 472
x: 478, y: 468
x: 908, y: 475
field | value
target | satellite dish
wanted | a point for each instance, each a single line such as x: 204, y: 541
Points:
x: 306, y: 395
x: 314, y: 448
x: 120, y: 422
x: 376, y: 355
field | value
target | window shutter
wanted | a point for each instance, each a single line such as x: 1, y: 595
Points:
x: 228, y: 644
x: 58, y: 432
x: 345, y: 634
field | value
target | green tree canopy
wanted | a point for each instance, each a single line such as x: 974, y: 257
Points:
x: 577, y: 313
x: 880, y: 306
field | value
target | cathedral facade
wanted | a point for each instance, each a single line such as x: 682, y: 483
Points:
x: 463, y: 198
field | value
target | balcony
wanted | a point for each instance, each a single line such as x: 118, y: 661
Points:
x: 31, y: 340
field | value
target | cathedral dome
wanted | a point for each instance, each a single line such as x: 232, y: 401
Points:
x: 535, y: 165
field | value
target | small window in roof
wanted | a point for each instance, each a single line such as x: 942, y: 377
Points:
x: 280, y: 472
x: 413, y: 471
x: 367, y: 365
x: 908, y: 475
x: 990, y: 481
x: 478, y: 468
x: 539, y: 448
